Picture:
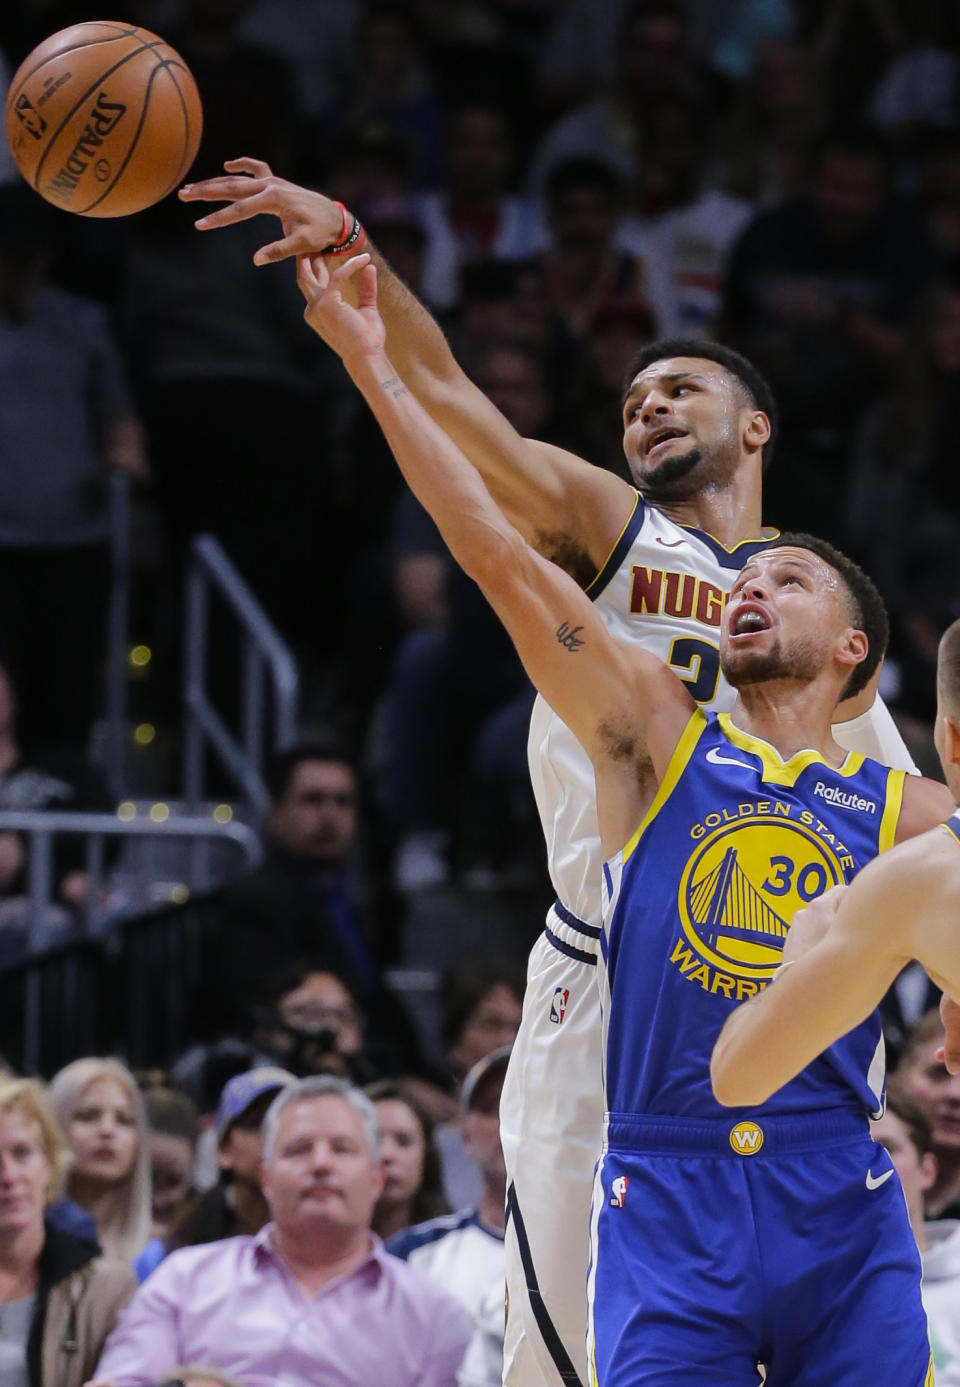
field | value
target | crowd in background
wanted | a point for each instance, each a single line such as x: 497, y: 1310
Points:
x: 560, y: 181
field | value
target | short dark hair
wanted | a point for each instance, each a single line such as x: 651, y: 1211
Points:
x: 172, y: 1113
x: 913, y: 1118
x: 866, y: 606
x: 282, y: 764
x: 464, y: 989
x: 928, y: 1027
x: 948, y: 667
x: 583, y: 172
x: 752, y: 383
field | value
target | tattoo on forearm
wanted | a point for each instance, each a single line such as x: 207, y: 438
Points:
x: 394, y: 387
x: 568, y: 638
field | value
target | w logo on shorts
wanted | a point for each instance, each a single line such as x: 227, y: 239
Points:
x: 558, y: 1007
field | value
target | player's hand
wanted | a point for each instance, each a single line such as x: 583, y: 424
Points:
x: 311, y: 222
x: 811, y: 924
x: 351, y: 332
x: 949, y: 1051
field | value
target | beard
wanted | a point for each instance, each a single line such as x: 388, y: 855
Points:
x: 667, y: 482
x: 800, y: 662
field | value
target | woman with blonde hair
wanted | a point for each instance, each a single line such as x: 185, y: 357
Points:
x: 59, y: 1299
x: 101, y: 1113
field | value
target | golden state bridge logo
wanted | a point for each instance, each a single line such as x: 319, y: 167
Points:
x: 741, y: 888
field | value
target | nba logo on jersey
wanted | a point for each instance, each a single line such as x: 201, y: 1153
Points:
x: 618, y: 1191
x: 558, y: 1007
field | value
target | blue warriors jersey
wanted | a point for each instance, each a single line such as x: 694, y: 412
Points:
x: 699, y: 904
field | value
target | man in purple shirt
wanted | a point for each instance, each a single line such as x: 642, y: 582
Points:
x: 312, y: 1300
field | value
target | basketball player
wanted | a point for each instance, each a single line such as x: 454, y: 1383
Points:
x: 716, y: 1244
x: 657, y: 566
x: 851, y: 943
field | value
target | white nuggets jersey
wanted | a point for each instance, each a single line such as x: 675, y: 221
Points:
x: 663, y: 586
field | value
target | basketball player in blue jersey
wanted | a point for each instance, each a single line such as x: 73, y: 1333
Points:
x: 720, y: 1240
x: 851, y: 943
x: 657, y: 560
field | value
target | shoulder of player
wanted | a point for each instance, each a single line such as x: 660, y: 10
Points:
x: 597, y: 504
x: 925, y: 804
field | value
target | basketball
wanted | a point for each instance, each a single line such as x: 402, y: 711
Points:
x: 103, y: 119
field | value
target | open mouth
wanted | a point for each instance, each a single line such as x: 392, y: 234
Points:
x: 749, y: 620
x: 660, y: 436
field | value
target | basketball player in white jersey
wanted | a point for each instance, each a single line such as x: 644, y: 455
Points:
x: 850, y: 944
x: 658, y: 558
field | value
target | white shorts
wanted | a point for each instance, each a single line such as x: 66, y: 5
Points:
x: 551, y: 1127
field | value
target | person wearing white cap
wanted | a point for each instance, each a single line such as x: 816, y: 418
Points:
x: 464, y: 1251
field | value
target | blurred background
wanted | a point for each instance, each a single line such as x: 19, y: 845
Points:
x: 259, y: 740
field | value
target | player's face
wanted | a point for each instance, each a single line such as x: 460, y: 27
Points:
x: 782, y: 618
x: 946, y: 737
x: 683, y: 427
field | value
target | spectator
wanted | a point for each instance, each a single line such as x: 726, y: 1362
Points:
x: 473, y: 216
x: 392, y: 87
x: 481, y: 1013
x: 905, y: 1133
x: 197, y: 1377
x: 303, y: 901
x: 652, y: 63
x: 66, y: 420
x: 817, y: 294
x: 101, y: 1113
x: 464, y: 1251
x: 173, y: 1131
x: 54, y: 778
x: 925, y: 1080
x: 412, y: 1190
x: 235, y: 1205
x: 902, y: 505
x: 313, y: 1297
x: 313, y: 1026
x: 59, y: 1298
x: 583, y: 266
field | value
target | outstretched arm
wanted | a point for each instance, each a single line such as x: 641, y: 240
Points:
x: 623, y: 704
x: 836, y: 971
x: 561, y: 504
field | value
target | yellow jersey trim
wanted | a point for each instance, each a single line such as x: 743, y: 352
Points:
x: 776, y: 771
x: 601, y: 571
x: 677, y: 764
x: 891, y: 810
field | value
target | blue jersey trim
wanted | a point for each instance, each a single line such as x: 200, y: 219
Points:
x: 952, y: 825
x: 574, y: 921
x: 619, y: 551
x: 580, y: 955
x: 423, y: 1234
x: 552, y: 1340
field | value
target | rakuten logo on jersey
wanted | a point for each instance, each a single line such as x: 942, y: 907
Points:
x: 843, y: 798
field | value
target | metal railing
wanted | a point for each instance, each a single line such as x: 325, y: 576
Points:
x: 118, y: 629
x: 263, y: 653
x: 41, y: 827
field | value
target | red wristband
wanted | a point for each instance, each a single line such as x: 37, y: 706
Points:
x: 334, y: 245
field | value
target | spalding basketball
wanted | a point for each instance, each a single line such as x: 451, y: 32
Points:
x: 103, y: 119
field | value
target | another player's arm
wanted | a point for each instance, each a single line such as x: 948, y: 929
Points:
x: 820, y: 997
x: 623, y: 704
x: 566, y: 508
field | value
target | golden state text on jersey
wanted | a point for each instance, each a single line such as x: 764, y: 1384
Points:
x: 700, y: 901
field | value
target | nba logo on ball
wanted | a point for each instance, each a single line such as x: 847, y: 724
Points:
x: 618, y: 1191
x: 558, y: 1007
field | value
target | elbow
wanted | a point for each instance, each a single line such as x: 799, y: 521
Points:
x: 493, y: 558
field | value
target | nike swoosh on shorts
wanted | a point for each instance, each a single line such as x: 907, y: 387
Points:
x: 875, y: 1181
